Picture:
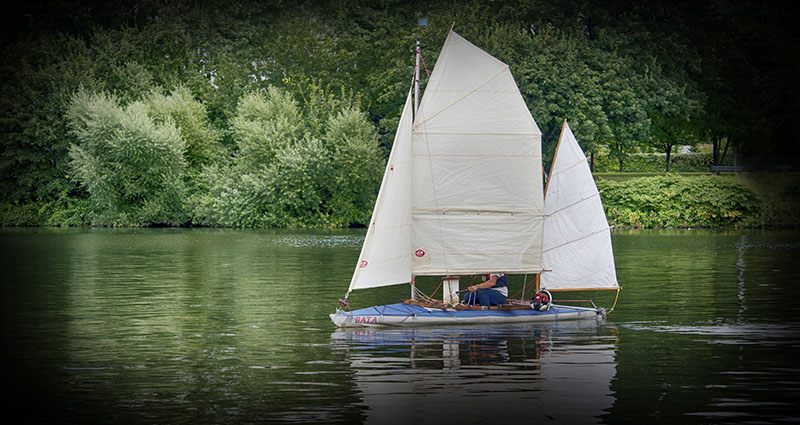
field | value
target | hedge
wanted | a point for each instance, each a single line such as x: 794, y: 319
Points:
x: 701, y: 201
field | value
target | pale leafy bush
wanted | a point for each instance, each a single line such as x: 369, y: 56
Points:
x: 131, y: 166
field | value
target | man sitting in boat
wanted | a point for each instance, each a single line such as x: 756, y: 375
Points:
x: 492, y: 291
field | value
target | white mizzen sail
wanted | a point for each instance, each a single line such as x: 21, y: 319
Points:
x: 477, y: 187
x: 577, y: 238
x: 386, y: 254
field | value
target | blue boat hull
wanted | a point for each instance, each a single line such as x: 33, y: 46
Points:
x: 401, y: 314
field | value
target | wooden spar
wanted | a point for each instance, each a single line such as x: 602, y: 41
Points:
x: 555, y: 154
x: 537, y: 281
x: 575, y: 301
x: 616, y: 288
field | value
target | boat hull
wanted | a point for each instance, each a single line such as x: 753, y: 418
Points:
x: 401, y: 314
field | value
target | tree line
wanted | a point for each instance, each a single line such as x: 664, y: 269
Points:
x: 281, y: 114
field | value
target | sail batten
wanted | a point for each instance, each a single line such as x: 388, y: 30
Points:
x: 568, y: 207
x: 484, y: 133
x: 566, y: 168
x: 428, y: 211
x: 463, y: 95
x: 578, y: 239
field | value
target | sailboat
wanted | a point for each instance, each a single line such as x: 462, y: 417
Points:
x: 463, y: 195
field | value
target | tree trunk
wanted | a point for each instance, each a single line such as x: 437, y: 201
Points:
x: 620, y: 164
x: 725, y: 151
x: 669, y: 152
x: 591, y: 161
x: 715, y: 150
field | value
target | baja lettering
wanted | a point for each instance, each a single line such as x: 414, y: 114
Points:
x: 366, y: 319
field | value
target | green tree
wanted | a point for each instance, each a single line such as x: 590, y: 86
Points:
x: 558, y: 80
x: 356, y: 168
x: 673, y: 111
x: 275, y: 178
x: 294, y: 187
x: 39, y: 77
x: 667, y: 131
x: 624, y: 97
x: 132, y: 167
x: 284, y: 176
x: 266, y: 122
x: 191, y: 118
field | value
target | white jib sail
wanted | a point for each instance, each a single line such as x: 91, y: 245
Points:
x: 386, y: 254
x: 477, y: 188
x: 577, y: 238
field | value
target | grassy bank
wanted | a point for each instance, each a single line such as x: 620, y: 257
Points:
x: 702, y: 200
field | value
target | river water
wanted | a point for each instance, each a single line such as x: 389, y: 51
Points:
x: 227, y: 326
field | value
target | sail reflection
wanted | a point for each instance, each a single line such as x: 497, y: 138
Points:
x: 559, y: 372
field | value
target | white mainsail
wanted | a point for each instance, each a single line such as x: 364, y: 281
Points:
x: 386, y: 254
x: 577, y: 238
x: 477, y: 187
x: 462, y: 192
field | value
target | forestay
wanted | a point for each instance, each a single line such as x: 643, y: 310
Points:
x: 477, y: 202
x: 577, y: 238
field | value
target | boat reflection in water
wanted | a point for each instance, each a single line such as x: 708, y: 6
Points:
x: 558, y: 372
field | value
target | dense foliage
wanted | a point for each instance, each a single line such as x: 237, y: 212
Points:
x: 700, y: 201
x: 289, y: 171
x: 252, y: 113
x: 655, y: 163
x: 131, y: 166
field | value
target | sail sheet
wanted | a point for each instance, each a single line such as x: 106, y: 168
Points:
x: 386, y: 254
x: 577, y: 239
x: 477, y: 202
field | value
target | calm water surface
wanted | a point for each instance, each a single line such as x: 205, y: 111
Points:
x: 221, y: 326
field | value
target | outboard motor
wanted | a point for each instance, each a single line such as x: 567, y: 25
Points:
x: 541, y: 300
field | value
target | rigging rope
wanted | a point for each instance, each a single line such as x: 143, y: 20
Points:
x: 616, y: 297
x: 424, y: 65
x: 525, y: 287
